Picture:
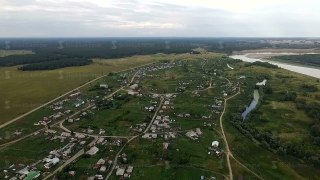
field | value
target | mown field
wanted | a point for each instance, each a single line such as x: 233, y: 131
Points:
x: 4, y: 53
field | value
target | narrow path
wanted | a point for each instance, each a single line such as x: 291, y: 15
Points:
x: 228, y: 152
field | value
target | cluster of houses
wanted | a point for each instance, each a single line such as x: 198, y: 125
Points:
x: 217, y: 106
x: 168, y: 103
x: 231, y: 88
x: 101, y: 166
x: 198, y: 84
x: 53, y: 158
x: 24, y: 172
x: 134, y: 90
x: 156, y: 67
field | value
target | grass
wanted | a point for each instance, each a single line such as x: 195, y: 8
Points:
x: 171, y: 172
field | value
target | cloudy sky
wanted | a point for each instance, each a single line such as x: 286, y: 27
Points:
x: 160, y: 18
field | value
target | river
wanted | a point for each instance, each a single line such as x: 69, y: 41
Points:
x: 252, y: 105
x: 299, y: 69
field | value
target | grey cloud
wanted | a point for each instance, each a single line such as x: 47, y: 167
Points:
x: 137, y: 18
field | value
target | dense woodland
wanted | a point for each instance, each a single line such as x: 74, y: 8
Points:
x: 64, y: 52
x: 306, y: 59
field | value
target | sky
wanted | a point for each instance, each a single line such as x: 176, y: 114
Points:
x: 159, y: 18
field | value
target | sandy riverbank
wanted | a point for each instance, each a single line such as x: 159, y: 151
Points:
x: 267, y: 53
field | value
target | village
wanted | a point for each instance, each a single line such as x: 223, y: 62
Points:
x: 151, y: 103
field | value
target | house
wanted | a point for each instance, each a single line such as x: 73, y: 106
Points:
x: 151, y: 108
x: 51, y: 131
x: 165, y: 145
x: 103, y: 169
x: 134, y: 86
x: 193, y: 135
x: 72, y: 173
x: 129, y: 169
x: 79, y: 136
x: 100, y: 162
x: 120, y: 171
x: 24, y: 171
x: 130, y: 92
x: 65, y: 134
x: 75, y: 94
x: 98, y: 176
x: 198, y: 131
x: 90, y: 131
x: 93, y: 150
x: 263, y: 83
x: 102, y: 131
x: 51, y: 162
x: 149, y: 136
x: 100, y: 140
x: 215, y: 144
x: 103, y: 86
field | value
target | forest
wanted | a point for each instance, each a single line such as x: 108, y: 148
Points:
x: 69, y: 50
